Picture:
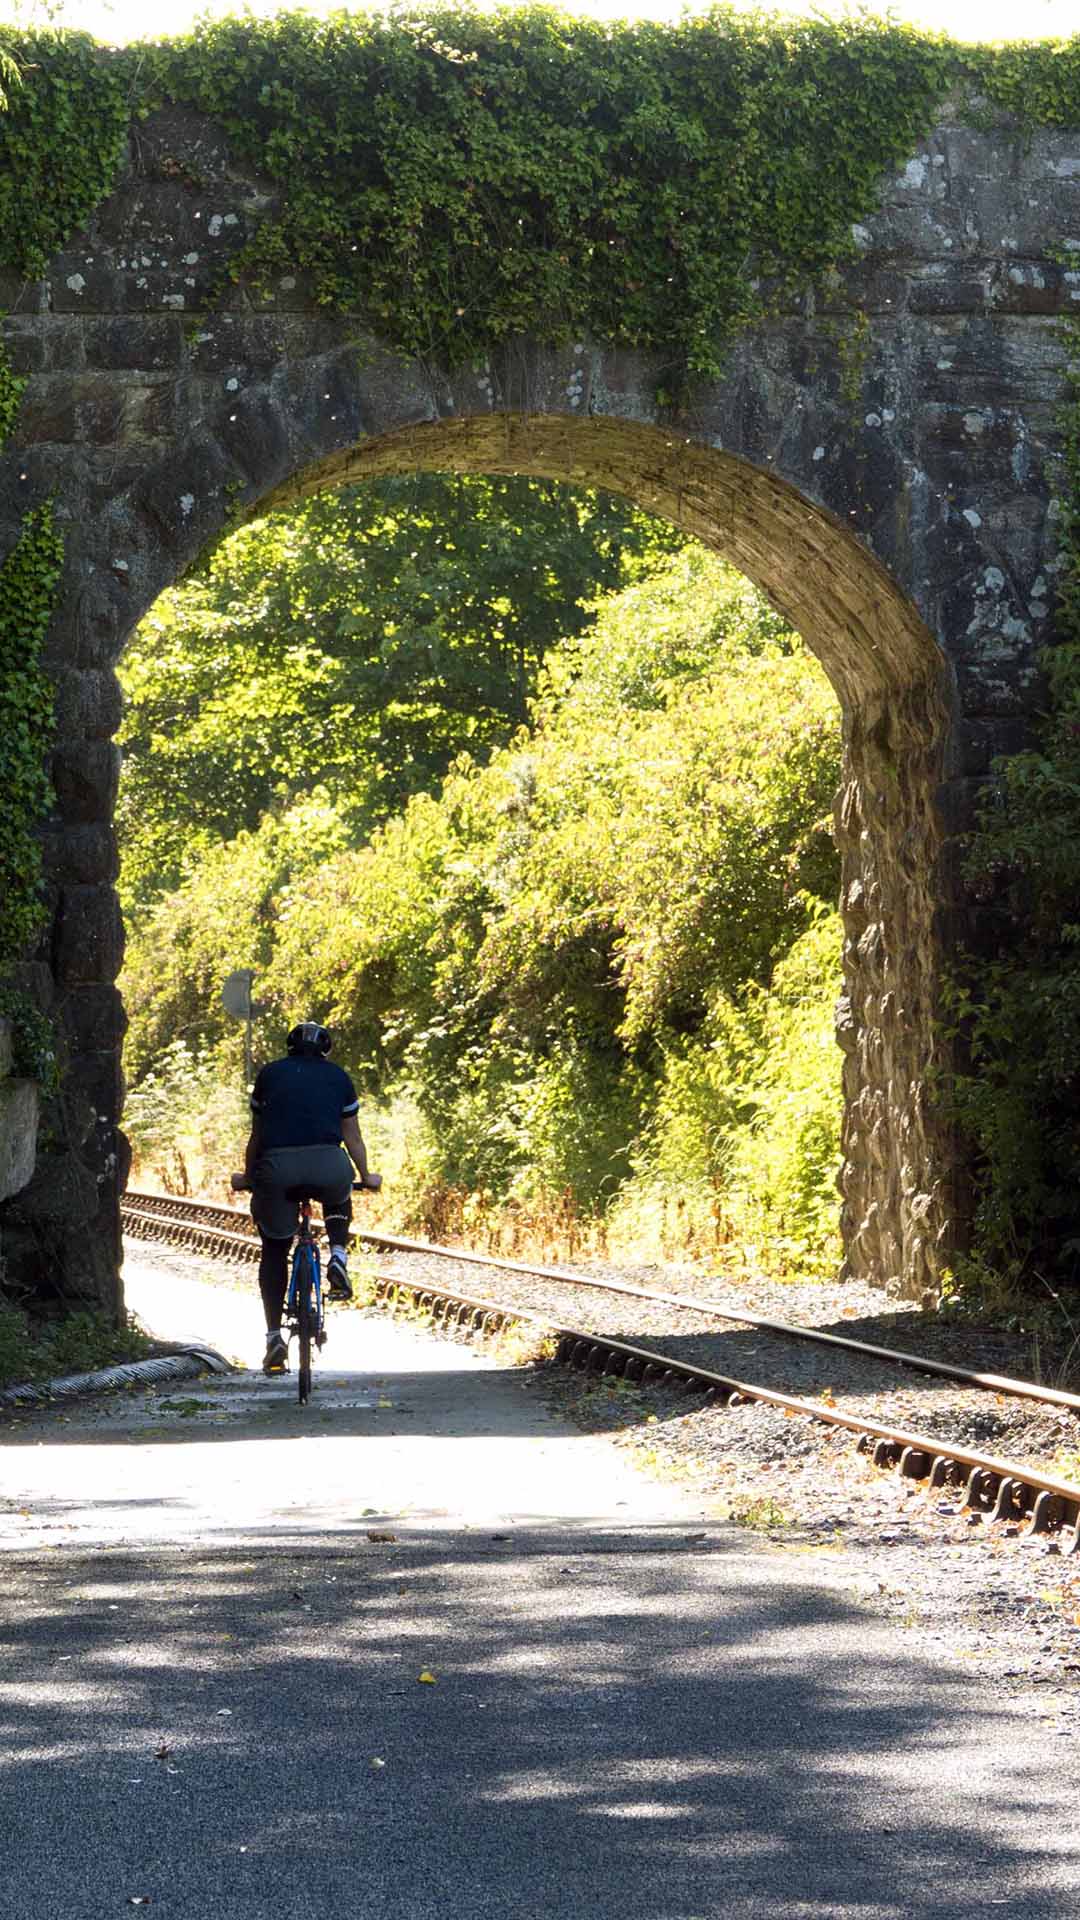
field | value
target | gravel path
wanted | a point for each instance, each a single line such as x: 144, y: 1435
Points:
x: 957, y: 1586
x: 955, y: 1583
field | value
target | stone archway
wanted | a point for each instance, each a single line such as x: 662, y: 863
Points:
x: 906, y: 530
x: 897, y: 1205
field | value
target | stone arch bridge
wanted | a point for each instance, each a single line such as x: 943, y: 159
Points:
x: 895, y: 502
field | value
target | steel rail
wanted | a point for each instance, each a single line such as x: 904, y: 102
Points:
x: 1008, y: 1490
x: 701, y: 1303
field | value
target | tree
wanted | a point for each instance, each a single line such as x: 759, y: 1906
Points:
x: 357, y: 644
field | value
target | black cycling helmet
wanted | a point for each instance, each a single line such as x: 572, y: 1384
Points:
x: 309, y: 1038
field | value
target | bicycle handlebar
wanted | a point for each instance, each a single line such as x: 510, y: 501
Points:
x: 241, y: 1184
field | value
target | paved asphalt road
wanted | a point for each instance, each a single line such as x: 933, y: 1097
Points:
x: 213, y: 1701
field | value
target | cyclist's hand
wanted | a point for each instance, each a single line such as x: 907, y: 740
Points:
x: 371, y: 1181
x: 240, y: 1183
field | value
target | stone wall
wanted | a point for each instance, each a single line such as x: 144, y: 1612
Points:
x: 881, y: 460
x: 19, y: 1112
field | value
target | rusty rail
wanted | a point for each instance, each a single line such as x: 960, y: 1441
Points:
x: 1007, y: 1490
x: 704, y: 1304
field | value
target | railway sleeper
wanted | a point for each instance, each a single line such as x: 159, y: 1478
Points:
x: 982, y: 1490
x: 915, y: 1464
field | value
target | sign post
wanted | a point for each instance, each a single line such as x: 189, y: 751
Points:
x: 237, y: 1001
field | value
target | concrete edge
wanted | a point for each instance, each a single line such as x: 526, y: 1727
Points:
x: 184, y: 1363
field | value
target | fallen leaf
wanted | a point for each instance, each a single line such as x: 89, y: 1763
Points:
x: 385, y: 1539
x: 427, y: 1678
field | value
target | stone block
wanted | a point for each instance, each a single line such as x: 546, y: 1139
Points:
x: 83, y: 856
x: 19, y: 1115
x: 244, y: 345
x: 151, y: 344
x: 89, y: 703
x: 97, y: 1079
x: 255, y: 435
x: 91, y: 624
x: 92, y: 1021
x: 62, y: 1193
x: 976, y: 744
x: 21, y: 296
x: 962, y: 289
x: 98, y: 409
x: 86, y: 777
x: 185, y: 498
x: 1028, y: 286
x: 89, y: 937
x: 24, y: 347
x: 82, y: 283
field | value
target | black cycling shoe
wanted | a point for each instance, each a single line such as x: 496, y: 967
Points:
x: 276, y: 1358
x: 340, y: 1287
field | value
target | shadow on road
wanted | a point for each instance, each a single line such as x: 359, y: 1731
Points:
x: 627, y: 1724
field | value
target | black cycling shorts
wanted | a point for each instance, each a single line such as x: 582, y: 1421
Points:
x: 285, y: 1175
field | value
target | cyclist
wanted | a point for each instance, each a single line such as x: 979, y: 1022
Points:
x: 304, y: 1132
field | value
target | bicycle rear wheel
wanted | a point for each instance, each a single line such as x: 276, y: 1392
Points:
x: 305, y: 1321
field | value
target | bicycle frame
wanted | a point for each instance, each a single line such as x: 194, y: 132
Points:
x: 304, y: 1300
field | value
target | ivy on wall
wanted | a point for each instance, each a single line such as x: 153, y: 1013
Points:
x: 458, y: 179
x: 62, y: 132
x: 28, y: 579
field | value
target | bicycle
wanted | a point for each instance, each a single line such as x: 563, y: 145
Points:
x: 305, y: 1314
x: 305, y: 1308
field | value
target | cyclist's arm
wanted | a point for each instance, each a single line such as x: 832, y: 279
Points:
x: 251, y: 1151
x: 353, y: 1141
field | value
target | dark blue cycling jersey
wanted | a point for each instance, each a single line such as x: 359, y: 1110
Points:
x: 301, y: 1101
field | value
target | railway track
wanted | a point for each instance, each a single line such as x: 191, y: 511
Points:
x: 1003, y: 1489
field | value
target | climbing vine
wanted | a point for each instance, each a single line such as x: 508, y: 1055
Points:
x: 28, y: 579
x: 62, y: 133
x: 456, y: 179
x: 11, y: 392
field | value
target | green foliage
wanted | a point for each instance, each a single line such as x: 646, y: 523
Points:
x: 222, y: 917
x: 28, y: 579
x: 61, y: 139
x: 597, y: 964
x: 33, y: 1039
x: 188, y: 1118
x: 11, y: 392
x: 356, y: 645
x: 80, y: 1342
x: 457, y: 178
x: 529, y: 952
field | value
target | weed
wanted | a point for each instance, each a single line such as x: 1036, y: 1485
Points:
x: 761, y: 1515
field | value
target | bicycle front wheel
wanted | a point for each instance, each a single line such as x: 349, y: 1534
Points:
x: 305, y: 1322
